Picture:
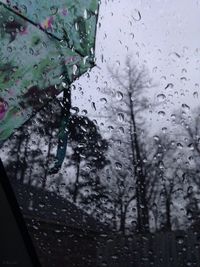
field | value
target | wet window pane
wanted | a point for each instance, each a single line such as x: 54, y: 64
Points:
x: 99, y: 129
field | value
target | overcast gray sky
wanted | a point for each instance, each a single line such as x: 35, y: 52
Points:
x: 163, y: 35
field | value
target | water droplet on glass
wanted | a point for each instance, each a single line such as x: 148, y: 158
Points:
x: 11, y: 18
x: 119, y: 95
x: 195, y: 94
x: 54, y: 10
x: 180, y: 240
x: 31, y: 51
x: 184, y: 70
x: 110, y: 128
x: 93, y: 106
x: 118, y: 165
x: 169, y: 86
x: 9, y: 49
x: 156, y: 138
x: 190, y: 190
x: 121, y: 129
x: 185, y: 107
x: 161, y: 165
x: 191, y: 146
x: 75, y: 69
x: 84, y: 112
x: 103, y: 100
x: 161, y: 97
x: 183, y: 79
x: 85, y: 14
x: 179, y: 145
x: 120, y: 117
x: 137, y: 15
x: 161, y: 113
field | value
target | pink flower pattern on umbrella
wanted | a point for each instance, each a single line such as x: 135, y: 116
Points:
x: 3, y: 108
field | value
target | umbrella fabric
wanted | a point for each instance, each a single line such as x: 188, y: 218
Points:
x: 38, y: 41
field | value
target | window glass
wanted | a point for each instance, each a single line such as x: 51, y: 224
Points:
x: 104, y: 162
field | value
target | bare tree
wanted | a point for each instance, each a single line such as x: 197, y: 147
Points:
x: 133, y: 81
x: 190, y: 126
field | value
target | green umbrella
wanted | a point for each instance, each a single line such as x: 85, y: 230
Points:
x: 45, y: 46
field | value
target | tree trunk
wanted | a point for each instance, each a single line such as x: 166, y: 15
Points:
x: 23, y: 166
x: 17, y: 163
x: 76, y: 184
x: 30, y: 173
x: 47, y: 161
x: 122, y: 220
x: 115, y: 216
x: 168, y: 213
x: 141, y: 194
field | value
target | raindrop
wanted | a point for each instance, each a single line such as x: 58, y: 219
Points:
x: 118, y: 165
x: 74, y: 110
x: 183, y: 79
x: 184, y: 70
x: 93, y: 106
x: 172, y: 143
x: 190, y: 190
x: 110, y: 128
x: 9, y: 49
x: 161, y: 165
x: 103, y: 100
x: 195, y: 94
x: 161, y: 113
x: 121, y: 129
x: 179, y: 145
x: 180, y: 240
x: 24, y: 9
x: 31, y: 51
x: 54, y: 10
x: 190, y: 158
x: 161, y: 97
x: 120, y: 117
x: 137, y: 15
x: 85, y: 14
x: 156, y: 138
x: 175, y: 54
x: 119, y: 95
x: 185, y: 107
x: 169, y: 86
x: 11, y: 18
x: 189, y: 215
x: 155, y: 69
x: 191, y: 146
x: 163, y: 78
x: 76, y: 26
x: 84, y: 112
x: 75, y: 69
x: 92, y: 51
x: 83, y: 128
x: 173, y: 116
